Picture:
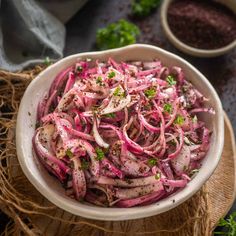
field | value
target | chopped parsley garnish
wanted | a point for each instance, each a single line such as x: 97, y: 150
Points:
x: 152, y: 162
x: 69, y: 153
x: 79, y: 68
x: 99, y: 80
x: 110, y: 115
x: 47, y: 61
x: 100, y: 154
x: 168, y: 108
x: 116, y: 35
x: 84, y: 164
x: 172, y: 142
x: 144, y: 7
x: 150, y: 93
x: 111, y: 74
x: 158, y: 176
x: 118, y: 92
x: 170, y: 79
x: 179, y: 120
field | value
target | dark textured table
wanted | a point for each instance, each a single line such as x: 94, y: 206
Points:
x: 81, y: 31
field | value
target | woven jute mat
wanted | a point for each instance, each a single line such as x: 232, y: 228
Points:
x: 32, y: 214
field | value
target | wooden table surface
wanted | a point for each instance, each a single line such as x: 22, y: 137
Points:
x: 81, y: 31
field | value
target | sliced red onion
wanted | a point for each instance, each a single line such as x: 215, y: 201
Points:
x: 129, y: 183
x: 130, y: 142
x: 99, y: 140
x: 106, y: 163
x: 181, y: 142
x: 78, y: 180
x: 46, y: 155
x: 181, y: 162
x: 175, y: 183
x: 95, y: 166
x: 138, y: 191
x: 112, y: 105
x: 148, y: 126
x: 197, y: 110
x: 70, y: 82
x: 59, y: 80
x: 116, y: 103
x: 139, y: 200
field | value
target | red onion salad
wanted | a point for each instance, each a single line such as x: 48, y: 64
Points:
x: 121, y: 134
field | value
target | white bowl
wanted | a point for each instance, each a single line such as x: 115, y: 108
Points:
x: 188, y: 49
x: 50, y: 187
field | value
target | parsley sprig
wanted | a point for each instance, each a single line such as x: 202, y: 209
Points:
x: 47, y: 61
x: 110, y: 115
x: 167, y: 108
x: 69, y: 153
x: 84, y: 164
x: 157, y: 176
x: 170, y: 79
x: 117, y: 34
x: 229, y: 226
x: 152, y: 162
x: 118, y: 93
x: 100, y: 154
x: 179, y: 120
x: 144, y: 7
x: 150, y: 93
x: 111, y: 74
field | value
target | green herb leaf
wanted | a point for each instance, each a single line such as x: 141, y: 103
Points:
x: 158, y: 176
x: 168, y: 108
x: 118, y: 92
x: 179, y: 120
x: 84, y: 164
x: 100, y: 154
x: 152, y: 162
x: 229, y: 226
x: 150, y: 93
x: 110, y: 115
x: 79, y: 68
x: 99, y: 80
x: 144, y: 7
x: 172, y: 142
x: 117, y: 35
x: 170, y: 79
x: 111, y: 74
x: 47, y: 61
x: 69, y: 153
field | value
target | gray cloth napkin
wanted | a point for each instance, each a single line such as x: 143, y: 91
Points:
x: 28, y: 34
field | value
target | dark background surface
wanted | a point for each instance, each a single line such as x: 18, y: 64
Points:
x: 81, y: 32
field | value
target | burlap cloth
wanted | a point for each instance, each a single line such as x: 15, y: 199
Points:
x: 32, y: 214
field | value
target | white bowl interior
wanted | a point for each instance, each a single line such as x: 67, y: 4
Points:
x: 50, y: 186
